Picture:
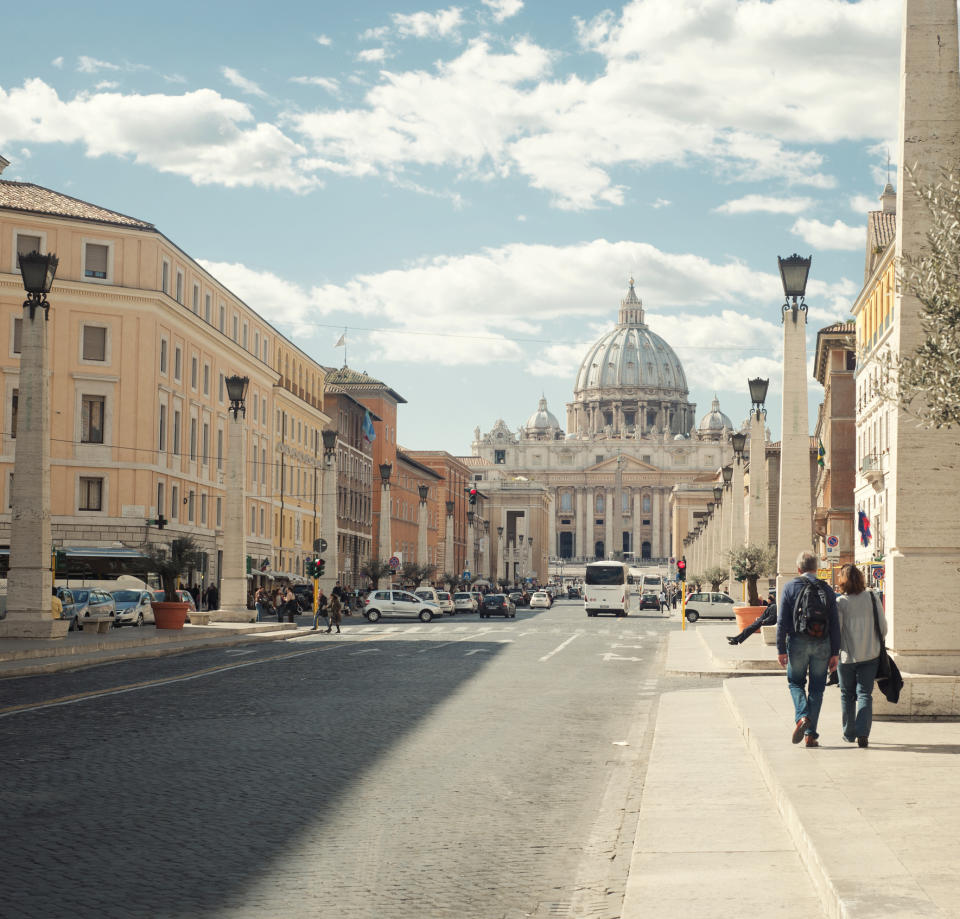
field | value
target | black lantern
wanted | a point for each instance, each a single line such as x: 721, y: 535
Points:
x: 424, y: 490
x: 739, y: 441
x: 718, y: 494
x: 793, y: 274
x: 471, y: 517
x: 329, y: 441
x: 450, y: 506
x: 385, y: 470
x: 237, y: 394
x: 709, y: 507
x: 758, y: 394
x: 37, y: 272
x: 727, y: 473
x: 500, y: 532
x: 520, y: 537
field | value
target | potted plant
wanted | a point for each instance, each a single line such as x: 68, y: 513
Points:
x: 750, y: 563
x: 170, y: 562
x: 716, y: 575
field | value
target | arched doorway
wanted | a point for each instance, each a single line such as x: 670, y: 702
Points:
x: 645, y: 550
x: 566, y: 545
x: 598, y: 550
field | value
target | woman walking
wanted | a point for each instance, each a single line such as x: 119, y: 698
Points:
x: 859, y: 612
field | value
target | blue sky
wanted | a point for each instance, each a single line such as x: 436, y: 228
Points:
x: 468, y: 187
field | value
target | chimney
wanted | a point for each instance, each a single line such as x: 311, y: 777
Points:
x: 888, y: 200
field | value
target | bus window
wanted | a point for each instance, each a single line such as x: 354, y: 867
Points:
x: 605, y: 575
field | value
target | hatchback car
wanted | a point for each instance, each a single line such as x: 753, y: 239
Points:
x: 133, y: 606
x: 650, y: 601
x: 398, y: 603
x: 445, y: 602
x: 464, y: 603
x: 91, y: 603
x: 497, y: 605
x: 709, y: 606
x: 541, y: 600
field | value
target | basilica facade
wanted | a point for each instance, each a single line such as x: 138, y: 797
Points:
x: 631, y: 445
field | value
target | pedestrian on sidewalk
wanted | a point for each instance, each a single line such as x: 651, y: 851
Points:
x: 261, y: 600
x: 767, y: 617
x: 859, y: 653
x: 663, y: 601
x: 333, y: 612
x: 808, y: 644
x: 289, y: 605
x: 321, y: 608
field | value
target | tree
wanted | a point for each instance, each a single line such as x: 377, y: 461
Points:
x: 171, y: 561
x: 503, y: 582
x: 451, y: 579
x: 410, y: 573
x: 928, y: 381
x: 750, y: 563
x: 716, y: 576
x: 375, y: 569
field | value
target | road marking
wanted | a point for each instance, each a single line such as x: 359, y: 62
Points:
x: 165, y: 681
x: 238, y: 651
x: 610, y: 656
x: 560, y: 647
x: 634, y: 647
x: 363, y: 651
x: 477, y: 651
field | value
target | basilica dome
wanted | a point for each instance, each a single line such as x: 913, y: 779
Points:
x: 715, y: 424
x: 542, y: 421
x: 631, y: 381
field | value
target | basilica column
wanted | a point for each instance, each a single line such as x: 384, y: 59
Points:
x: 610, y: 517
x: 657, y: 540
x: 552, y: 547
x: 580, y: 539
x: 637, y: 517
x: 591, y: 516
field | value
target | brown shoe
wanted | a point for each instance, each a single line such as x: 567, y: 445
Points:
x: 799, y: 728
x: 811, y: 741
x: 863, y: 742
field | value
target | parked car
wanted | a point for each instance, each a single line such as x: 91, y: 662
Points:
x: 541, y: 600
x: 304, y: 595
x: 428, y: 595
x: 445, y: 602
x: 398, y: 603
x: 91, y: 603
x: 709, y: 606
x: 650, y: 601
x: 71, y: 609
x: 133, y: 606
x: 573, y: 593
x: 183, y: 596
x: 519, y: 599
x: 498, y: 605
x: 465, y: 602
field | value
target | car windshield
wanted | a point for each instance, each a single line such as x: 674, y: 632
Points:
x: 126, y: 596
x: 604, y: 575
x: 461, y: 596
x: 493, y: 598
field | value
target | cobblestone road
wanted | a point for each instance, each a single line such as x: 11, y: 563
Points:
x: 460, y: 768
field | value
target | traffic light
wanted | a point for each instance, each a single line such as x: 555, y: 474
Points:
x: 159, y: 522
x: 682, y: 569
x: 321, y: 565
x: 472, y: 491
x: 311, y: 568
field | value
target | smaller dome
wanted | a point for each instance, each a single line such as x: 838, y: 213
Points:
x: 715, y: 422
x: 542, y: 419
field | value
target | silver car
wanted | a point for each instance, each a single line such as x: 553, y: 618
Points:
x: 464, y: 602
x: 133, y: 606
x: 398, y: 603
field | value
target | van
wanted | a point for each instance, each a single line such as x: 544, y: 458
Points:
x: 429, y: 595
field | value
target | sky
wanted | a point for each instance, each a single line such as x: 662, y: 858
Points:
x: 466, y: 189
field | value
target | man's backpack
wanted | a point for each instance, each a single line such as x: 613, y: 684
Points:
x: 810, y: 615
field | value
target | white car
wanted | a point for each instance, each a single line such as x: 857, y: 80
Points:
x: 709, y: 606
x: 398, y: 603
x: 445, y: 602
x: 133, y: 606
x: 540, y: 600
x: 464, y: 603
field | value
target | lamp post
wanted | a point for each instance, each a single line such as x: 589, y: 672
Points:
x: 500, y: 557
x: 30, y: 579
x: 448, y: 554
x: 331, y: 486
x: 470, y: 558
x: 385, y: 542
x: 738, y: 442
x: 424, y: 492
x: 530, y: 571
x: 758, y: 523
x: 795, y: 532
x: 233, y: 590
x: 720, y: 526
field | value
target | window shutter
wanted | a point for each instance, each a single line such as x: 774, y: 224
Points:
x: 96, y: 260
x: 94, y: 343
x: 27, y: 244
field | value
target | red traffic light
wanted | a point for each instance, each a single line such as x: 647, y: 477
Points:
x: 681, y: 564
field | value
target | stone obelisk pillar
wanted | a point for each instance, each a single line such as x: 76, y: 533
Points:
x: 923, y: 501
x: 758, y: 513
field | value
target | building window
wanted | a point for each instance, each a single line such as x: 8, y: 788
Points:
x: 221, y: 388
x: 196, y: 298
x: 165, y: 277
x: 219, y: 511
x: 91, y: 493
x: 220, y: 448
x: 598, y: 504
x: 245, y: 331
x: 163, y: 356
x: 190, y: 498
x: 566, y: 501
x: 256, y: 343
x: 206, y: 443
x: 161, y: 507
x: 179, y: 286
x: 223, y: 317
x: 193, y: 439
x: 174, y: 502
x: 27, y: 243
x: 177, y: 363
x: 203, y: 508
x: 91, y: 419
x: 94, y: 343
x: 14, y: 403
x: 256, y: 403
x: 206, y: 307
x: 646, y: 504
x: 499, y: 457
x: 206, y: 379
x: 96, y: 258
x: 236, y: 326
x: 194, y: 372
x: 163, y: 430
x: 176, y: 433
x: 17, y: 335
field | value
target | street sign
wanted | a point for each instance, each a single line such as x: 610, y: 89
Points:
x: 833, y: 542
x: 466, y: 575
x: 878, y: 572
x: 319, y: 545
x: 394, y: 563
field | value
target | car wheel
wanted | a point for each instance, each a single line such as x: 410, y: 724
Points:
x: 692, y: 615
x: 373, y: 615
x: 139, y: 620
x: 425, y: 615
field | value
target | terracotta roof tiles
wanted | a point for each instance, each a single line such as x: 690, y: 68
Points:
x: 24, y: 196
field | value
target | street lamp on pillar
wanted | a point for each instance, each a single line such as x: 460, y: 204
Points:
x: 500, y: 555
x: 331, y: 567
x: 423, y: 491
x: 30, y: 578
x: 237, y: 394
x: 386, y: 542
x: 717, y: 494
x: 739, y: 442
x: 233, y: 592
x: 727, y: 473
x: 385, y: 470
x: 793, y: 273
x: 758, y: 396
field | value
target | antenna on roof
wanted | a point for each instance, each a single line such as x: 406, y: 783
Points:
x: 888, y: 165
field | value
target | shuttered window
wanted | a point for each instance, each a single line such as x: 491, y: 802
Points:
x: 95, y: 261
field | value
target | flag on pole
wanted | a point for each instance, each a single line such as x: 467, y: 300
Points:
x: 368, y: 431
x: 341, y: 341
x: 863, y: 525
x: 821, y: 453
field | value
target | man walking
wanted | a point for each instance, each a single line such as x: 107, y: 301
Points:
x: 808, y: 644
x: 333, y: 611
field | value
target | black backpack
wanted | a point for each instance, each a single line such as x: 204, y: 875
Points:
x: 810, y: 615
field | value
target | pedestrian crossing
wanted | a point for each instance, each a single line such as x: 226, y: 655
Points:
x: 478, y: 628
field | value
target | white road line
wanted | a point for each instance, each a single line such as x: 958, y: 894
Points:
x: 559, y: 648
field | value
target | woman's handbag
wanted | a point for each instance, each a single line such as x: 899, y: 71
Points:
x: 888, y: 673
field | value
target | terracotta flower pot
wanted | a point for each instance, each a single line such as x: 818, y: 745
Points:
x: 170, y: 615
x: 747, y: 614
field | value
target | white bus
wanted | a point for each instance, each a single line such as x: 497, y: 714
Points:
x: 605, y: 589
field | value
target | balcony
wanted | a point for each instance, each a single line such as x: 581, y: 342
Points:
x: 870, y: 469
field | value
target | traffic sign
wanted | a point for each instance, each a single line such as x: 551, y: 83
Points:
x: 466, y: 575
x: 320, y: 545
x: 833, y: 542
x: 394, y: 563
x: 878, y: 572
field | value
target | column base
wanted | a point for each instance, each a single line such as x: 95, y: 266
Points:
x: 27, y: 626
x: 923, y: 696
x: 232, y: 615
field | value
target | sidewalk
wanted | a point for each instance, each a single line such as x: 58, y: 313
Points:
x: 874, y: 830
x: 19, y: 657
x: 703, y: 649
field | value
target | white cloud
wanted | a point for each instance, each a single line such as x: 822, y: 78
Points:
x: 200, y: 135
x: 861, y: 204
x: 235, y: 78
x: 837, y: 235
x: 331, y: 85
x: 441, y: 24
x: 57, y: 62
x: 92, y: 65
x: 107, y: 84
x: 503, y: 9
x: 661, y: 203
x: 324, y: 40
x: 751, y: 204
x: 372, y: 55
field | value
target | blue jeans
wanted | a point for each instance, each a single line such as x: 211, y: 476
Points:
x: 805, y: 655
x: 856, y: 696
